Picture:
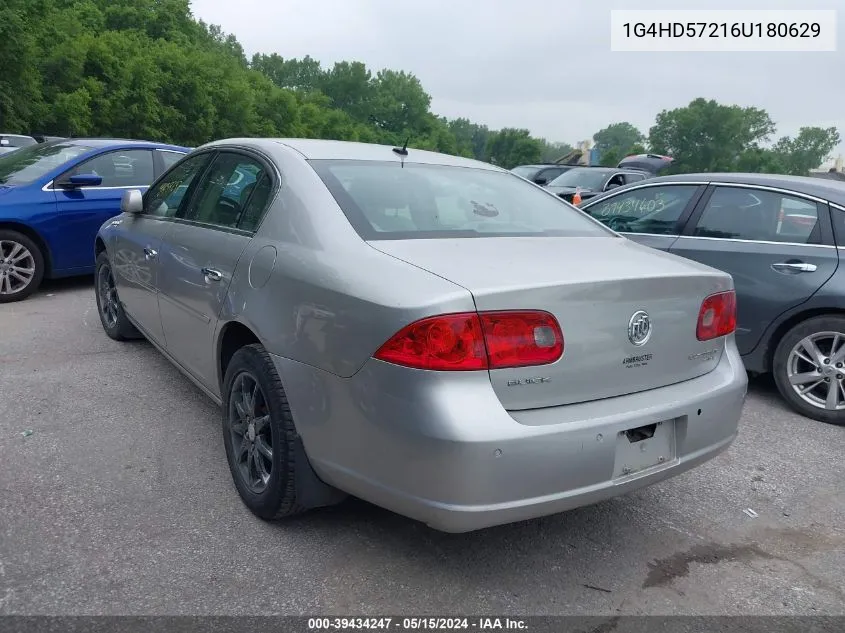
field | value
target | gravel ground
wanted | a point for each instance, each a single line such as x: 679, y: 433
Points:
x: 120, y: 502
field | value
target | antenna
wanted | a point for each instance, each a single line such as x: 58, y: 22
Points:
x: 403, y: 151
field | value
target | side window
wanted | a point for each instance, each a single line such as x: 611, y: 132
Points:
x: 223, y: 196
x: 653, y: 210
x: 254, y: 208
x: 169, y: 158
x: 616, y: 181
x: 124, y: 168
x: 629, y: 178
x: 754, y: 214
x: 165, y: 197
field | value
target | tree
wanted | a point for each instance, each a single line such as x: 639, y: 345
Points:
x: 806, y: 151
x: 553, y: 151
x: 617, y: 137
x: 708, y: 136
x: 510, y: 147
x: 295, y: 74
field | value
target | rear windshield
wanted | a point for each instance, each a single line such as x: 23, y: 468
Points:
x: 384, y: 200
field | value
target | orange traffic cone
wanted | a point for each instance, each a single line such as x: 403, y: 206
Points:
x: 576, y: 197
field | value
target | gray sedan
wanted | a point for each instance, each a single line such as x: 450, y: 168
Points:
x: 780, y: 237
x: 432, y: 334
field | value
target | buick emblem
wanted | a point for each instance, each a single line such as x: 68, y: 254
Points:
x: 639, y: 328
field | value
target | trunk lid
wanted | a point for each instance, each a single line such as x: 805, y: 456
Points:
x: 593, y: 286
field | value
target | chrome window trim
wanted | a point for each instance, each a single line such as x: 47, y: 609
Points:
x: 733, y: 239
x: 49, y: 187
x: 719, y: 183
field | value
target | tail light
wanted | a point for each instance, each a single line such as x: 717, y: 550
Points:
x: 717, y: 316
x: 471, y: 341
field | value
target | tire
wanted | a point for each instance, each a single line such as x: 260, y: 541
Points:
x: 792, y: 359
x: 251, y: 365
x: 112, y: 316
x: 25, y: 251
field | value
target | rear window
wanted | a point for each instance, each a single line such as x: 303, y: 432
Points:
x: 384, y: 200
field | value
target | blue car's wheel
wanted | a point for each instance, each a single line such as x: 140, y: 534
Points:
x: 21, y: 266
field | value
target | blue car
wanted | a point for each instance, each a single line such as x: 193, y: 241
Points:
x: 55, y: 196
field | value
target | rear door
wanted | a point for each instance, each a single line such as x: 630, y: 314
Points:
x: 777, y: 245
x: 82, y: 210
x: 201, y: 251
x: 652, y: 215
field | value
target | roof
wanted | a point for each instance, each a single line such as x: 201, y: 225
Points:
x: 319, y: 149
x: 97, y: 143
x: 819, y: 187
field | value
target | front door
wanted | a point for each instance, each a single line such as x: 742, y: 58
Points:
x: 651, y: 214
x: 777, y: 247
x: 136, y: 254
x: 200, y: 256
x: 82, y: 210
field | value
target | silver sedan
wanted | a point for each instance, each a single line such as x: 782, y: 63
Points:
x: 435, y: 335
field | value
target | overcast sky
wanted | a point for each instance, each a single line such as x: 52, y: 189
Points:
x: 544, y: 65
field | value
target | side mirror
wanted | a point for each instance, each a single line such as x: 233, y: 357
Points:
x: 132, y: 201
x: 85, y: 180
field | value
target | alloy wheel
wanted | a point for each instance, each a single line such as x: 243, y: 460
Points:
x: 252, y: 439
x: 108, y: 296
x: 17, y: 267
x: 815, y: 369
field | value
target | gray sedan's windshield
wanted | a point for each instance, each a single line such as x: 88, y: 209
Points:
x: 28, y: 164
x: 384, y: 200
x: 587, y: 178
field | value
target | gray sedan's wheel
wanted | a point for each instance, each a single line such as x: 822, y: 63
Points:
x: 21, y: 266
x: 809, y: 368
x: 259, y: 434
x: 115, y: 322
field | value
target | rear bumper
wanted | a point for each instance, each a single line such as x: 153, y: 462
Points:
x: 441, y: 449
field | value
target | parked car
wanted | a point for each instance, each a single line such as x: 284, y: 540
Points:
x: 541, y: 174
x: 653, y: 164
x: 11, y: 142
x: 591, y: 181
x: 430, y: 333
x: 780, y: 238
x: 55, y: 195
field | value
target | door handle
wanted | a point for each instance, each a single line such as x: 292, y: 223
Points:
x: 149, y: 253
x: 794, y: 267
x: 211, y: 274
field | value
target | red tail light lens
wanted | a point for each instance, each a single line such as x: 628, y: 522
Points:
x: 471, y: 341
x: 448, y: 342
x: 717, y: 316
x: 521, y: 339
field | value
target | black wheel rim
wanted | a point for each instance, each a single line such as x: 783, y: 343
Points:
x: 251, y: 432
x: 108, y: 297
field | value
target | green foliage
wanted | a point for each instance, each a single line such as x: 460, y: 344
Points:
x: 149, y: 69
x: 511, y: 147
x: 710, y: 137
x: 616, y: 141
